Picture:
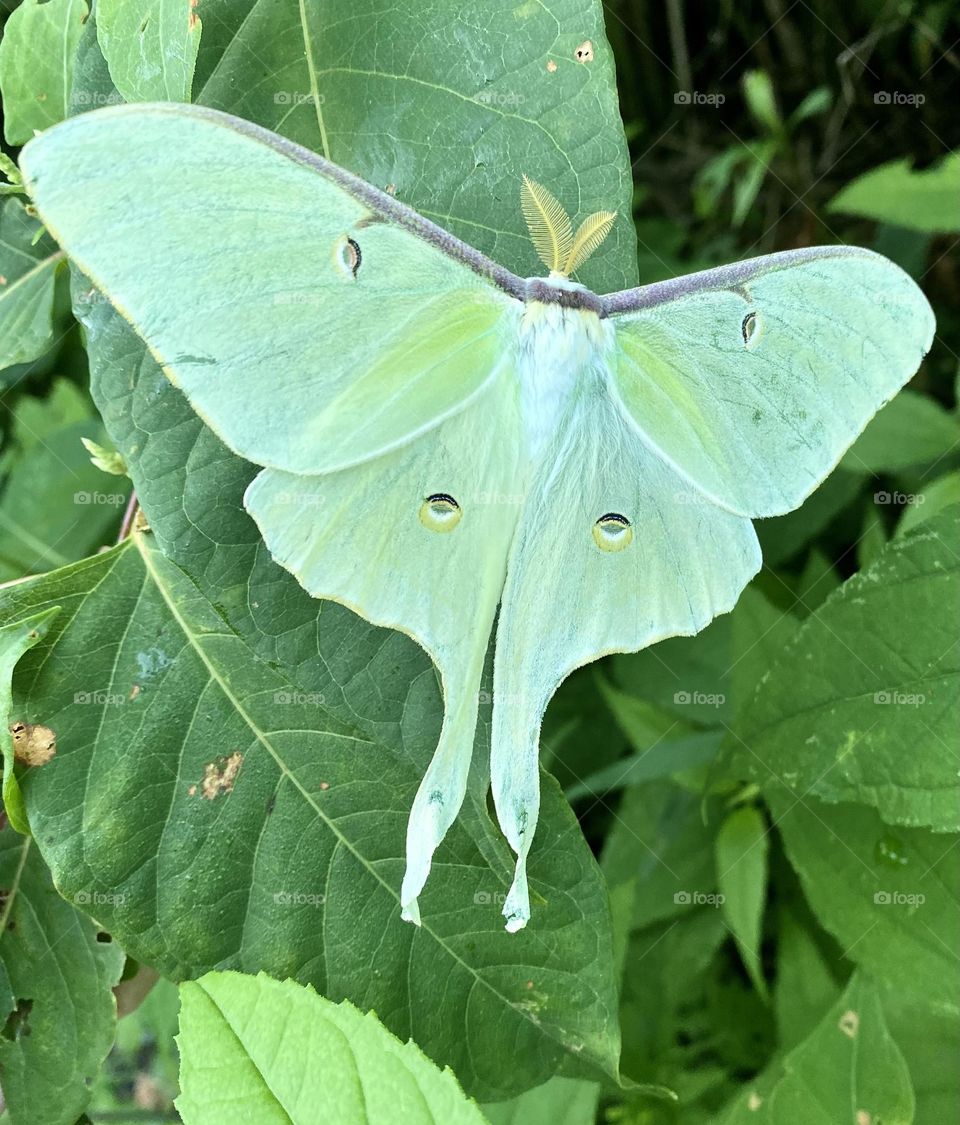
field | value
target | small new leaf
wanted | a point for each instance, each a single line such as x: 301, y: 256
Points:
x: 551, y: 230
x: 108, y: 460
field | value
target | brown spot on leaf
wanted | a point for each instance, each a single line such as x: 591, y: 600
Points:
x: 140, y: 521
x: 584, y: 53
x: 3, y: 280
x: 324, y: 784
x: 391, y: 189
x: 192, y: 791
x: 863, y: 1117
x: 33, y: 744
x: 551, y: 66
x: 849, y: 1023
x: 220, y: 775
x: 134, y: 692
x: 754, y: 1101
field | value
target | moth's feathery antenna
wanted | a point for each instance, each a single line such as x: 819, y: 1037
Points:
x: 551, y: 230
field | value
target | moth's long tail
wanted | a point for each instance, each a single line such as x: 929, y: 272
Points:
x: 515, y: 773
x: 441, y: 791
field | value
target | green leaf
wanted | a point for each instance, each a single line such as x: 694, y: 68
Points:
x: 859, y: 709
x: 214, y: 651
x: 250, y: 1048
x: 849, y: 1069
x: 15, y: 639
x: 278, y: 786
x: 56, y: 1005
x: 761, y: 100
x: 782, y: 537
x: 896, y: 193
x: 561, y: 1101
x: 741, y: 855
x: 911, y: 430
x: 27, y: 270
x: 482, y: 87
x: 56, y: 506
x: 150, y: 47
x: 930, y: 1041
x: 685, y: 677
x: 890, y: 896
x: 806, y: 986
x: 923, y: 506
x: 659, y: 842
x: 36, y: 65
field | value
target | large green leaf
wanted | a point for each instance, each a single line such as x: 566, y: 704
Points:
x: 446, y: 103
x: 56, y: 1005
x: 36, y: 64
x: 262, y: 1050
x: 150, y: 47
x: 891, y: 897
x: 849, y: 1069
x: 858, y: 708
x: 912, y: 429
x: 561, y: 1101
x: 897, y: 193
x: 27, y: 271
x: 205, y: 650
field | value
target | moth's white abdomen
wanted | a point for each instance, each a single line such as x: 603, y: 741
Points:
x: 557, y: 346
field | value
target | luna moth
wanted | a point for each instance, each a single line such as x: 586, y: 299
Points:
x: 445, y: 445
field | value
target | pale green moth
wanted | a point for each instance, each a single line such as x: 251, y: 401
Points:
x: 439, y: 437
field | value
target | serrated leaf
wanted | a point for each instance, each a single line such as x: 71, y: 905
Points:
x: 859, y: 709
x: 56, y: 1004
x: 250, y: 1048
x: 36, y: 64
x: 889, y: 895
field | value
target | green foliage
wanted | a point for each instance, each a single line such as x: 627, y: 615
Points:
x: 56, y: 1008
x: 250, y: 1046
x: 773, y: 801
x: 896, y: 193
x: 37, y: 55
